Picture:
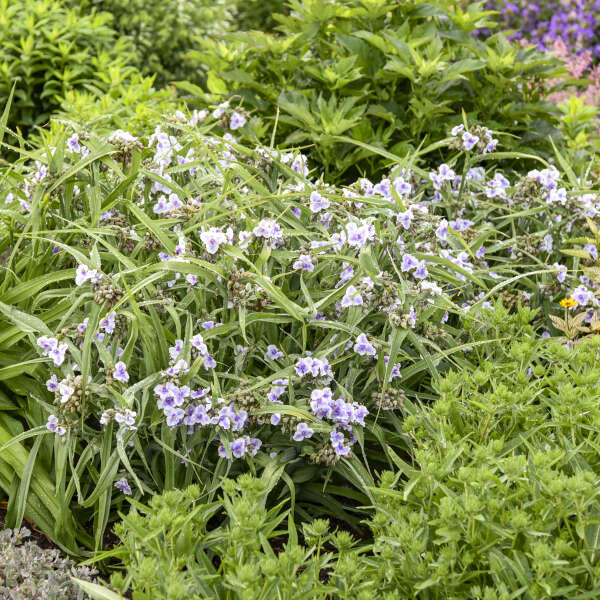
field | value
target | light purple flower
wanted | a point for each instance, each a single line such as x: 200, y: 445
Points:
x: 52, y: 425
x: 84, y: 273
x: 123, y: 485
x: 352, y: 297
x: 469, y: 140
x: 273, y: 352
x: 303, y: 431
x: 318, y: 202
x: 236, y: 120
x: 305, y: 263
x: 363, y: 347
x: 120, y: 372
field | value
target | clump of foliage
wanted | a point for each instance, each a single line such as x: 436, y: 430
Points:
x: 28, y: 571
x: 235, y: 546
x: 177, y: 306
x: 47, y: 51
x: 129, y: 100
x: 351, y: 78
x: 494, y: 498
x: 163, y: 31
x: 501, y: 500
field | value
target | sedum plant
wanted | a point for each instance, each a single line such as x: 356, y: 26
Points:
x: 28, y: 572
x: 173, y: 549
x: 501, y: 499
x: 49, y: 50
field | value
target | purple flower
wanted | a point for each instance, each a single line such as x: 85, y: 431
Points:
x: 362, y: 346
x: 305, y: 263
x: 318, y: 202
x: 84, y: 273
x: 236, y: 120
x: 592, y: 250
x: 442, y: 231
x: 469, y: 140
x: 120, y: 373
x: 352, y: 297
x: 562, y: 272
x: 273, y: 352
x: 52, y: 384
x: 337, y: 441
x: 303, y: 431
x: 108, y: 324
x: 409, y: 262
x: 52, y: 425
x: 123, y: 485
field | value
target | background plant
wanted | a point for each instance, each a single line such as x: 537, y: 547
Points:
x: 385, y: 74
x: 49, y: 50
x: 162, y: 32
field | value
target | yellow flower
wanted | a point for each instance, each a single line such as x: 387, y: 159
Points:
x: 568, y: 302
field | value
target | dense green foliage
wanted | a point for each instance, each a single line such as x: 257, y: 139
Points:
x: 48, y: 50
x: 501, y: 501
x: 495, y: 499
x: 162, y: 32
x: 385, y: 73
x: 319, y: 321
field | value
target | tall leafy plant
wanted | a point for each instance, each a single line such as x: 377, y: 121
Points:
x: 350, y: 77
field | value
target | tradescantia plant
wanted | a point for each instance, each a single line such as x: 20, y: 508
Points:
x: 47, y: 51
x: 351, y: 77
x: 178, y: 306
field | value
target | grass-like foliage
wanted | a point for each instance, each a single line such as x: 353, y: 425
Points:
x: 178, y: 306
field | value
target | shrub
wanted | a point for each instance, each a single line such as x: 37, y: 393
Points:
x: 162, y: 31
x: 224, y: 307
x: 129, y: 100
x: 501, y: 501
x: 258, y: 15
x: 28, y: 571
x: 386, y: 74
x: 47, y: 51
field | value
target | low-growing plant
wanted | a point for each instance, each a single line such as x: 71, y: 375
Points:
x: 501, y: 501
x: 48, y: 50
x: 28, y: 572
x: 350, y: 78
x: 235, y: 547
